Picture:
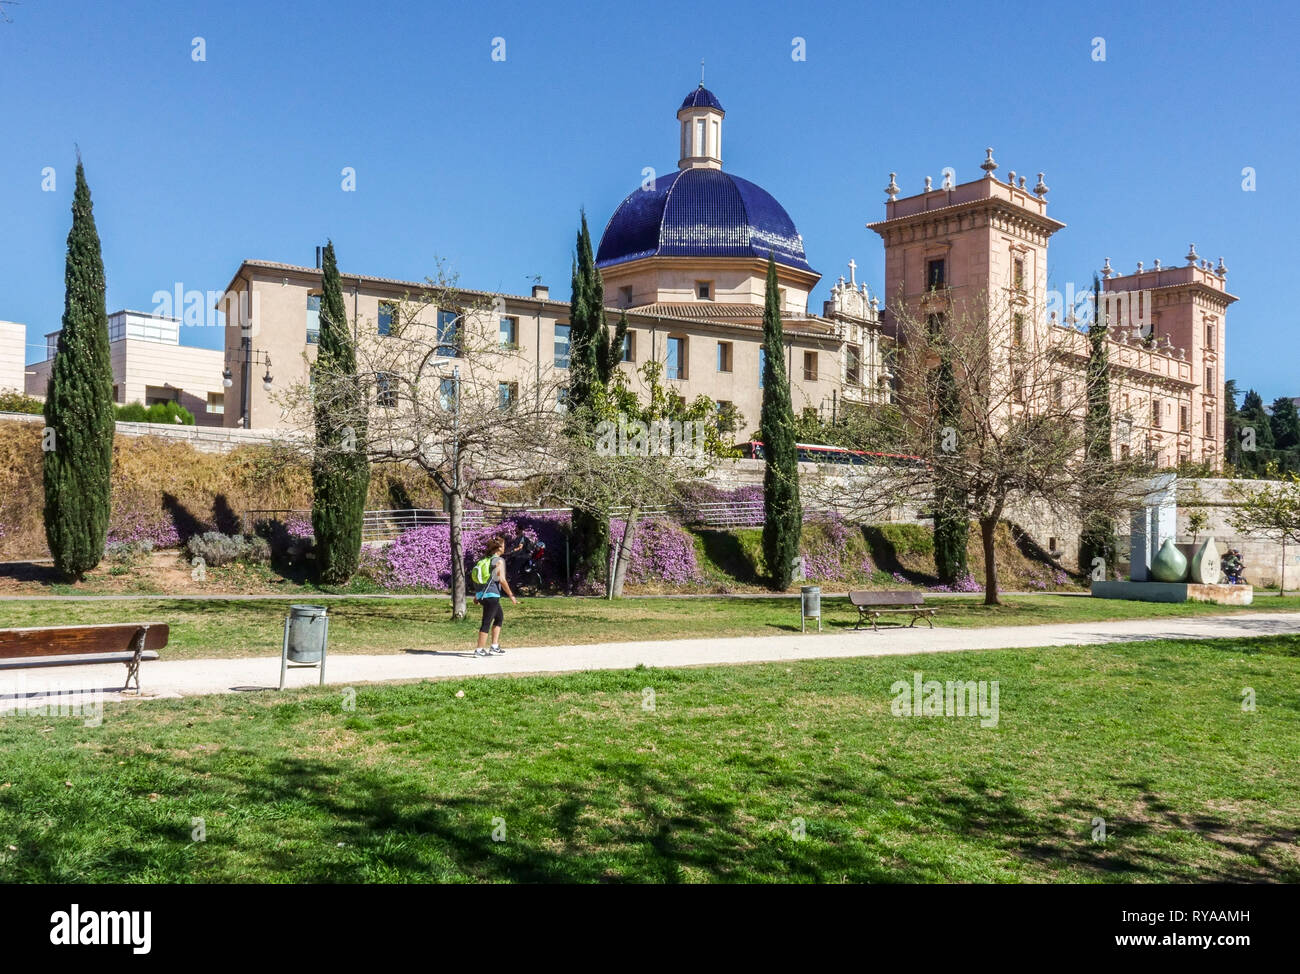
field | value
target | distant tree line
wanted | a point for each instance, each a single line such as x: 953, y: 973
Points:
x: 1260, y: 441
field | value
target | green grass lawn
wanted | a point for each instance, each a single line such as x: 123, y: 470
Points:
x: 582, y: 783
x: 217, y: 629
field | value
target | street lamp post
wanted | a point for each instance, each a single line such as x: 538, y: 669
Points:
x: 247, y: 356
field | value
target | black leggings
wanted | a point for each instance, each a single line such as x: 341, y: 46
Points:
x: 492, y: 614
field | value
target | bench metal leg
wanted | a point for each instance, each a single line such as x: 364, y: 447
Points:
x: 133, y: 664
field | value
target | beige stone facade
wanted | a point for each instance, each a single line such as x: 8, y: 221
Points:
x: 278, y: 298
x: 150, y: 365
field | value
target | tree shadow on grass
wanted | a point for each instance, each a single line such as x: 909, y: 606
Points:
x: 633, y: 819
x: 30, y: 571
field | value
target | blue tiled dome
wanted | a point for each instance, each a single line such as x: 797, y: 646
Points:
x: 701, y: 213
x: 701, y: 97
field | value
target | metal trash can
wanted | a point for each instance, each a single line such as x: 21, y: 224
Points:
x: 810, y: 605
x: 307, y: 630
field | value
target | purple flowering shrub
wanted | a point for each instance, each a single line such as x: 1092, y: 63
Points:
x: 966, y: 583
x: 421, y: 558
x: 132, y: 522
x: 662, y: 551
x: 825, y: 547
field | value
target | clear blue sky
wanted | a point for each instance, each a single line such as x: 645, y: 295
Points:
x: 195, y: 166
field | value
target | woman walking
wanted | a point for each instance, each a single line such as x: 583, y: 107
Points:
x: 494, y: 585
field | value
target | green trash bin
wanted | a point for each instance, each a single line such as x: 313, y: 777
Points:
x: 307, y: 629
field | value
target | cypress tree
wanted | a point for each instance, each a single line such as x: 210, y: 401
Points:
x: 783, y: 514
x: 1231, y: 424
x: 1253, y: 418
x: 593, y: 355
x: 1097, y: 538
x: 951, y: 524
x: 340, y: 471
x: 78, y: 441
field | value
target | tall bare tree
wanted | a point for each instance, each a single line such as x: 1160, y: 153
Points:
x: 632, y: 452
x: 448, y: 397
x: 1008, y: 433
x: 1271, y: 512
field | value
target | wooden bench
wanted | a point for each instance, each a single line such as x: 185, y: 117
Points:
x: 130, y: 643
x: 872, y: 605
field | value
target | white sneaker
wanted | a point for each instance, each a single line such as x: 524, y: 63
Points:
x: 497, y: 651
x: 480, y: 651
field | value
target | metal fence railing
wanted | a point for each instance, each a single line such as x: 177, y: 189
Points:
x: 386, y: 525
x: 727, y: 514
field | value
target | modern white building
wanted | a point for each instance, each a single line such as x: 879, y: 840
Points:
x: 150, y: 365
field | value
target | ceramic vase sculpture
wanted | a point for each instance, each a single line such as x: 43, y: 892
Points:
x: 1205, y: 564
x: 1169, y: 565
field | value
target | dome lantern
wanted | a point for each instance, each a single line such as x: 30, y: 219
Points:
x: 700, y: 120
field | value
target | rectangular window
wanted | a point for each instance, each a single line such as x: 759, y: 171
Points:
x: 629, y: 347
x: 561, y: 346
x: 313, y: 319
x: 1209, y: 423
x: 1209, y: 336
x: 675, y: 359
x: 448, y: 339
x: 447, y: 393
x: 387, y: 317
x: 762, y: 365
x: 699, y: 138
x: 724, y: 356
x: 562, y: 399
x: 1184, y: 418
x: 704, y: 290
x: 509, y: 332
x: 385, y: 391
x: 1058, y: 392
x: 934, y: 274
x: 160, y: 394
x: 1018, y: 386
x: 216, y: 403
x: 1209, y: 380
x: 1018, y: 330
x: 809, y: 366
x: 625, y: 295
x: 853, y: 365
x: 1018, y: 274
x: 1155, y: 413
x: 507, y: 394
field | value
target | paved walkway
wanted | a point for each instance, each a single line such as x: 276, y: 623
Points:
x: 183, y: 678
